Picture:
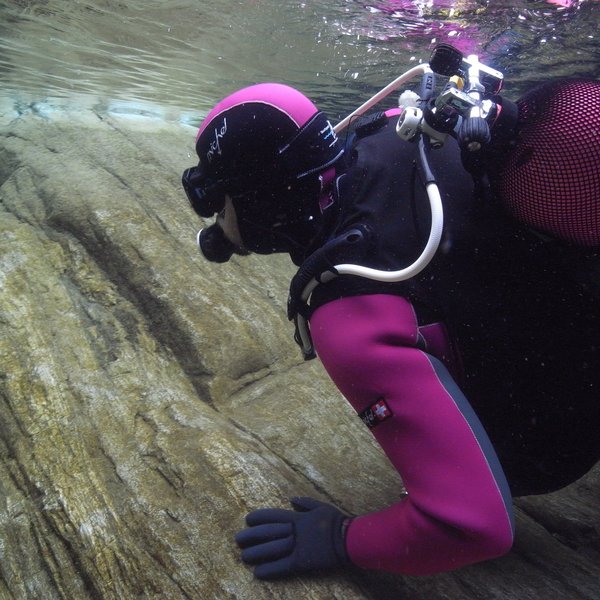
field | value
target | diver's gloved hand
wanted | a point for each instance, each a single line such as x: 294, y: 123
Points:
x: 287, y: 542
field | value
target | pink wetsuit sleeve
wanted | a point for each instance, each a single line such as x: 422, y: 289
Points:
x: 458, y: 509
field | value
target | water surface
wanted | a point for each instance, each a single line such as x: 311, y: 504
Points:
x: 174, y: 59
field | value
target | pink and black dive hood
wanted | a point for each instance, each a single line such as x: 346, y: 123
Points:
x: 264, y: 146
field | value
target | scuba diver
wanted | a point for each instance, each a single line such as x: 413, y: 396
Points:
x: 468, y: 347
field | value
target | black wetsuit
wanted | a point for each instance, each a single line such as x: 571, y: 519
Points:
x: 522, y: 310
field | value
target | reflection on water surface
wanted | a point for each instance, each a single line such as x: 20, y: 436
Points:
x: 176, y: 58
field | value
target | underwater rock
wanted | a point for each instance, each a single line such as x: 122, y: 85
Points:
x: 150, y: 399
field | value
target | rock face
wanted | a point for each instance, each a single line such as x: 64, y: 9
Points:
x: 150, y: 399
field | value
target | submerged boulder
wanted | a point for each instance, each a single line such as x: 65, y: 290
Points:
x: 150, y: 399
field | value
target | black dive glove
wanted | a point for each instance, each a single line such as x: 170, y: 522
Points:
x: 287, y: 542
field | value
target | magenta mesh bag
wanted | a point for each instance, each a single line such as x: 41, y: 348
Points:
x: 551, y: 180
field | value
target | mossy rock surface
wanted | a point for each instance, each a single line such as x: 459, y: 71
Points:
x: 150, y: 399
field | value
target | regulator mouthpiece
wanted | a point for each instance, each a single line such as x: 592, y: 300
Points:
x: 214, y: 245
x: 448, y: 61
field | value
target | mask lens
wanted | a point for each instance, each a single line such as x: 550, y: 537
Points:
x: 205, y: 196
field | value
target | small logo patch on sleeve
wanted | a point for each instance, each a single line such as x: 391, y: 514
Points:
x: 376, y: 413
